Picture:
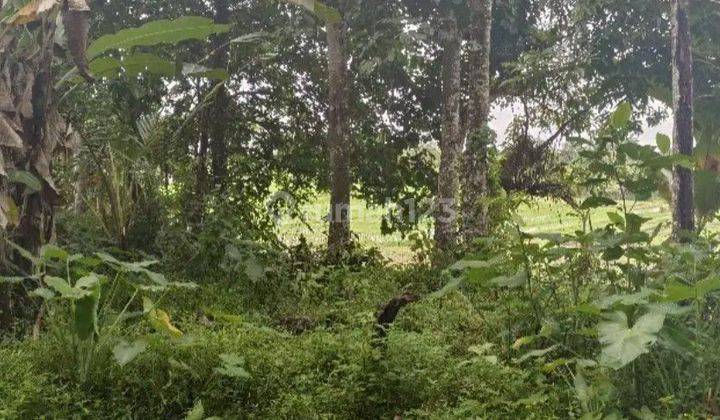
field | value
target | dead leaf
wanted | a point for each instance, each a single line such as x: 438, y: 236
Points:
x: 55, y: 131
x: 42, y: 166
x: 78, y: 5
x: 76, y: 20
x: 3, y: 172
x: 10, y: 209
x: 72, y: 140
x: 29, y: 13
x: 6, y: 102
x: 8, y: 136
x: 25, y: 107
x: 46, y: 5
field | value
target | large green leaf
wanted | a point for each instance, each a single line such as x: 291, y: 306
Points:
x: 85, y: 312
x: 131, y: 65
x: 622, y: 344
x: 64, y: 289
x: 157, y: 32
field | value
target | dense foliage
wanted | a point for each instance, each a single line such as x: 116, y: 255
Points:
x: 153, y: 155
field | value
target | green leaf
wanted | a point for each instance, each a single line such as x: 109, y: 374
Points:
x: 43, y: 292
x: 63, y: 288
x: 621, y: 116
x: 88, y: 282
x: 676, y: 291
x: 639, y: 298
x: 518, y: 280
x: 125, y: 352
x: 197, y: 70
x: 463, y: 264
x: 616, y: 219
x: 597, y: 201
x: 319, y: 9
x: 157, y: 32
x: 11, y: 280
x: 51, y: 252
x: 25, y: 178
x: 450, y: 286
x: 663, y: 143
x: 85, y: 313
x: 232, y: 366
x: 621, y: 344
x: 197, y: 412
x: 132, y: 65
x: 635, y: 222
x: 23, y: 252
x: 535, y: 354
x: 249, y: 38
x: 613, y: 253
x: 138, y: 267
x: 667, y: 162
x: 707, y: 193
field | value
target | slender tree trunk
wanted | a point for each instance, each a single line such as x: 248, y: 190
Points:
x: 450, y: 138
x: 475, y: 221
x: 219, y: 109
x: 338, y: 140
x: 197, y: 211
x: 682, y: 71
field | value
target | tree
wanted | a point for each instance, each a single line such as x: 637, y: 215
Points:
x: 682, y: 76
x: 338, y: 138
x: 219, y: 111
x: 451, y: 135
x: 479, y: 136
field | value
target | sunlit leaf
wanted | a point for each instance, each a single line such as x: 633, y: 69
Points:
x: 663, y: 143
x: 157, y: 32
x: 125, y: 352
x: 622, y: 344
x: 232, y: 366
x: 622, y: 115
x: 197, y: 412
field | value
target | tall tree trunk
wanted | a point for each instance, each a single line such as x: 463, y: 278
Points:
x: 219, y: 109
x: 475, y: 221
x: 450, y: 138
x: 682, y: 72
x: 338, y: 140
